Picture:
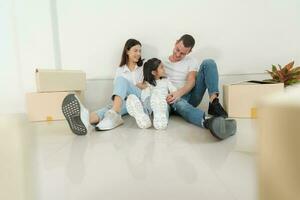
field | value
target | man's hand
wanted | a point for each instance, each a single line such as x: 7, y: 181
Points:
x: 173, y: 97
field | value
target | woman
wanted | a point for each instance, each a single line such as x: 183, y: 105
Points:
x: 128, y: 80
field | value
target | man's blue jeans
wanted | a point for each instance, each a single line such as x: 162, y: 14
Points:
x: 207, y: 78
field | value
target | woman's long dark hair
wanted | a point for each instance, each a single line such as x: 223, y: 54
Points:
x: 124, y: 59
x: 149, y: 66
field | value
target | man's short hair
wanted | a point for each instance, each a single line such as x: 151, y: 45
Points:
x: 187, y: 40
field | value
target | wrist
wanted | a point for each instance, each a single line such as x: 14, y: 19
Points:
x: 180, y: 93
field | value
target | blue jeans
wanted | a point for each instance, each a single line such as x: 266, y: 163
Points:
x: 122, y: 88
x: 207, y: 78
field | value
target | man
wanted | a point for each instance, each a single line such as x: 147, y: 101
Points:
x: 182, y: 70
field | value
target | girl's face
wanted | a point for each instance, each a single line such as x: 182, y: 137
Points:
x: 134, y: 53
x: 159, y: 72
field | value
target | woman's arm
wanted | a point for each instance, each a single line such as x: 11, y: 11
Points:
x: 141, y: 85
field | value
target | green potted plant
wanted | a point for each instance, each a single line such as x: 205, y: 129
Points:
x: 287, y: 74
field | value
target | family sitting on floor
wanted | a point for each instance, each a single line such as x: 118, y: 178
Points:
x: 156, y: 88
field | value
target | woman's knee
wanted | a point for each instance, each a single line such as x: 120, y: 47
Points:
x: 120, y: 80
x: 121, y: 86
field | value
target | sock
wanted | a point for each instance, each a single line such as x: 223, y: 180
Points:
x: 204, y: 122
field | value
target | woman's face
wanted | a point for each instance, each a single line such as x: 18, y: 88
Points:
x: 134, y: 53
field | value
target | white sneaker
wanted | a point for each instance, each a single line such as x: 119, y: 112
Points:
x: 159, y: 107
x: 110, y: 121
x: 135, y: 109
x: 76, y: 114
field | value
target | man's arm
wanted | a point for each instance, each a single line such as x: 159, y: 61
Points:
x: 190, y: 83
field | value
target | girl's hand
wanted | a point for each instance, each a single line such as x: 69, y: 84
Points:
x: 173, y: 97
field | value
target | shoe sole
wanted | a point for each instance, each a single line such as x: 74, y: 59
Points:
x: 223, y: 128
x: 135, y: 109
x: 159, y: 107
x: 71, y: 111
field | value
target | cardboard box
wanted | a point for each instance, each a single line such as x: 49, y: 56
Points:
x: 46, y: 106
x: 240, y: 99
x: 279, y: 146
x: 49, y: 80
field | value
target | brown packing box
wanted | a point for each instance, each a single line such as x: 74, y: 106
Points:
x: 240, y: 99
x: 50, y: 80
x: 46, y: 106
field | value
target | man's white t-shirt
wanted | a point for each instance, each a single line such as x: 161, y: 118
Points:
x: 177, y: 71
x: 135, y: 76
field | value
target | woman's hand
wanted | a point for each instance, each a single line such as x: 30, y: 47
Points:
x: 142, y: 85
x: 173, y: 97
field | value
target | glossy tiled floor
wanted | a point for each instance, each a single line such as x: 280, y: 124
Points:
x: 44, y: 161
x: 184, y: 162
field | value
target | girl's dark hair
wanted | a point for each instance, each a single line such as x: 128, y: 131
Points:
x: 149, y: 66
x: 124, y: 59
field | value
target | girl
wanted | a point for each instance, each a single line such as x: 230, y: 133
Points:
x: 153, y: 97
x: 128, y: 80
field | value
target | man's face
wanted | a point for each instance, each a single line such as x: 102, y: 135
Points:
x: 180, y: 51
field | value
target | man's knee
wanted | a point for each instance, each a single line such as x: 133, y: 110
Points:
x: 209, y: 62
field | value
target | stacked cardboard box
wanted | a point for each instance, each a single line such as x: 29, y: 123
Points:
x: 240, y: 99
x: 52, y: 87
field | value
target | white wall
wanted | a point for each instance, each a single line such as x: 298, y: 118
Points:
x: 26, y: 43
x: 10, y: 84
x: 242, y: 36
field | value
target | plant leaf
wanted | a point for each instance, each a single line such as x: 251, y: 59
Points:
x: 273, y: 75
x: 280, y: 75
x: 295, y: 69
x: 274, y: 68
x: 289, y: 65
x: 293, y: 81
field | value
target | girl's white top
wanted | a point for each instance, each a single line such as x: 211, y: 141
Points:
x: 163, y: 88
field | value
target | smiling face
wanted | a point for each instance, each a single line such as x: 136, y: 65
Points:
x: 180, y: 51
x: 134, y: 54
